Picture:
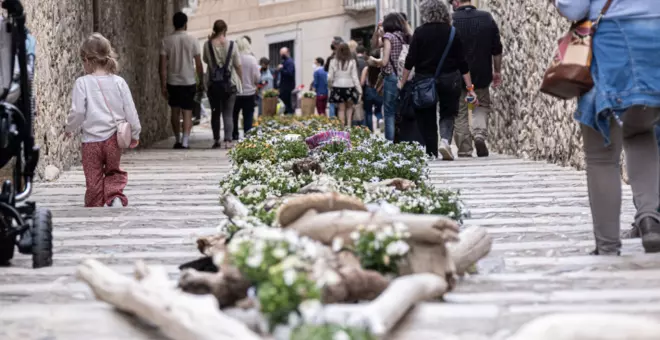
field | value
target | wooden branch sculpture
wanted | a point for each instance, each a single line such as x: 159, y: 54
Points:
x: 150, y: 296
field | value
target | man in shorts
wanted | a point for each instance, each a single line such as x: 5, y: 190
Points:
x: 179, y: 59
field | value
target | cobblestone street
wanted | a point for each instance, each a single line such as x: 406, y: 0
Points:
x: 537, y: 213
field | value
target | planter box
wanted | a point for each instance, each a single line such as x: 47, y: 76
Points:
x: 269, y: 106
x: 308, y: 106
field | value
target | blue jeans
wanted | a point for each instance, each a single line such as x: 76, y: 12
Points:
x: 657, y: 134
x: 373, y: 104
x: 332, y: 110
x: 390, y: 103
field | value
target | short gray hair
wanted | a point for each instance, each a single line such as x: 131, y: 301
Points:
x: 435, y: 11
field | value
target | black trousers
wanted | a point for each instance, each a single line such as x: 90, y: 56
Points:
x: 285, y: 95
x: 245, y: 104
x: 449, y: 94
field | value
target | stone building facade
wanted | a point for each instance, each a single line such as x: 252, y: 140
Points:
x: 135, y: 28
x: 306, y: 25
x: 525, y: 122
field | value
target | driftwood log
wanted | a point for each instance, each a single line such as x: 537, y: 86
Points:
x: 593, y: 326
x: 150, y: 296
x: 474, y: 244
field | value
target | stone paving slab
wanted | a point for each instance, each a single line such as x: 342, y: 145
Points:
x: 537, y: 213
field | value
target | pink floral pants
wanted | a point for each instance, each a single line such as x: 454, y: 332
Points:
x: 104, y: 179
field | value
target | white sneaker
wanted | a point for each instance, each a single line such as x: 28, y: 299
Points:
x: 116, y: 203
x: 445, y: 150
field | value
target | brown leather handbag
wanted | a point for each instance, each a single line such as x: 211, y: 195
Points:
x: 569, y: 74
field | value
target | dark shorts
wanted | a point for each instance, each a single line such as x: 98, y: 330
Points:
x: 181, y: 96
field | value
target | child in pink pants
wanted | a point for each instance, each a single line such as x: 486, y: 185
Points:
x: 101, y: 99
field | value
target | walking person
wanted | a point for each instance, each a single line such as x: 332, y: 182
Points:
x: 320, y: 86
x: 620, y: 112
x: 482, y: 45
x: 246, y: 98
x: 225, y: 74
x: 393, y: 37
x: 179, y: 60
x: 101, y: 100
x: 266, y: 81
x: 287, y: 73
x: 373, y: 102
x: 344, y: 84
x: 333, y: 46
x: 437, y: 30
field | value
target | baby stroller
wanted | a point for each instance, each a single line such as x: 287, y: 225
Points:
x: 22, y: 224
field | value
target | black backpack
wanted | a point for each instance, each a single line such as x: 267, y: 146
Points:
x: 220, y: 77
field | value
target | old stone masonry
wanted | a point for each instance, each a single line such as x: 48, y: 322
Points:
x: 537, y: 213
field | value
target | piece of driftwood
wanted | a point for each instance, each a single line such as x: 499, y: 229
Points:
x: 228, y: 285
x: 400, y: 184
x: 295, y: 207
x: 232, y: 207
x: 474, y: 244
x: 325, y: 227
x: 211, y: 245
x: 590, y: 326
x: 402, y: 294
x: 306, y: 166
x: 150, y: 296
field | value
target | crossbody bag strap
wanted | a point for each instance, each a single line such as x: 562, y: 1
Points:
x: 229, y: 55
x: 106, y: 101
x: 214, y: 61
x: 391, y: 61
x: 452, y: 34
x: 603, y: 12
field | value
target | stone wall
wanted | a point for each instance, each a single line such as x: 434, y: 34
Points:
x: 135, y: 28
x: 526, y: 123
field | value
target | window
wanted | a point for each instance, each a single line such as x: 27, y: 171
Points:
x: 362, y: 36
x: 274, y: 52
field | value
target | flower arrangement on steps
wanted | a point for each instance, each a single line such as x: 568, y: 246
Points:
x: 319, y: 217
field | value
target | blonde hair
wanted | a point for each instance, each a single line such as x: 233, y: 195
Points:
x: 98, y: 52
x: 352, y: 45
x: 244, y: 46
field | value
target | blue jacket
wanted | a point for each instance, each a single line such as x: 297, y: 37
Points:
x: 288, y: 74
x: 321, y: 82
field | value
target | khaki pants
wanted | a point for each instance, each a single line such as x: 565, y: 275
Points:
x: 462, y: 133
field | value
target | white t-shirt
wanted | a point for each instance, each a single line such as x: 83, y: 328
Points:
x: 90, y: 111
x: 180, y: 48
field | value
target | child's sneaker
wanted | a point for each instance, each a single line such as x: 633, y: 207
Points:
x: 116, y: 203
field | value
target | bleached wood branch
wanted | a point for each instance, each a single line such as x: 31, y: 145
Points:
x: 474, y: 244
x: 179, y: 315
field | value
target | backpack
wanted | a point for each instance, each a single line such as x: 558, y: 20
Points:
x: 220, y: 76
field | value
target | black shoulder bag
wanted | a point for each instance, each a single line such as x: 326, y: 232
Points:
x: 220, y: 77
x: 424, y: 91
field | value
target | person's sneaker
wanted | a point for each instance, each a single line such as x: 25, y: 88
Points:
x: 480, y: 145
x: 216, y: 145
x: 177, y: 146
x: 116, y: 203
x: 597, y: 252
x: 633, y: 232
x: 445, y: 150
x: 649, y: 228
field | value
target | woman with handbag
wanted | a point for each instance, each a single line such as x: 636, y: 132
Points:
x: 394, y: 39
x: 619, y: 112
x: 344, y: 84
x: 103, y: 106
x: 442, y: 69
x: 373, y: 102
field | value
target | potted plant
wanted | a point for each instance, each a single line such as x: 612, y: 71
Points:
x: 308, y: 105
x: 270, y: 102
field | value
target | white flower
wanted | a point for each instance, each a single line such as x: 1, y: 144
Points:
x: 294, y: 320
x: 341, y: 335
x: 337, y: 244
x: 219, y: 259
x: 310, y: 310
x: 255, y: 260
x: 397, y: 248
x: 388, y: 231
x: 355, y: 236
x: 381, y: 236
x: 279, y: 253
x: 289, y: 276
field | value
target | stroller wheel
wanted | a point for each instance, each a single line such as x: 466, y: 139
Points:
x: 6, y: 250
x: 42, y: 239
